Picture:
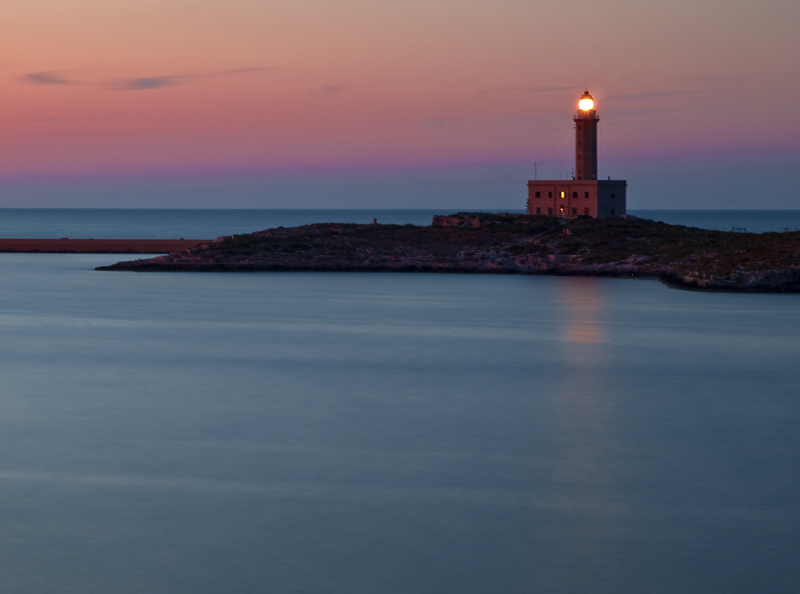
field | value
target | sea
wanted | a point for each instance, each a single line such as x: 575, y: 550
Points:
x: 120, y: 223
x: 309, y: 433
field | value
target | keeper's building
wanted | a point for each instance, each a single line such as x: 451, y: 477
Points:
x: 584, y: 194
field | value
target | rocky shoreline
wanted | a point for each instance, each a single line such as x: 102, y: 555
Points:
x: 480, y: 243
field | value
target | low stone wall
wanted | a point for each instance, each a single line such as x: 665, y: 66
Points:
x: 100, y: 246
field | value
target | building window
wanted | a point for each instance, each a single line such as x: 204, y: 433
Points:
x: 549, y: 195
x: 549, y: 211
x: 574, y: 194
x: 562, y: 210
x: 538, y: 210
x: 574, y: 211
x: 613, y: 195
x: 586, y: 194
x: 563, y: 194
x: 586, y: 211
x: 538, y: 194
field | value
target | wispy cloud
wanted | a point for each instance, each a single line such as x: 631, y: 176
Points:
x: 143, y: 83
x: 46, y: 78
x: 148, y: 83
x: 537, y: 89
x: 477, y: 123
x: 646, y: 111
x: 328, y: 91
x: 242, y: 71
x: 77, y: 118
x: 433, y: 123
x: 655, y: 95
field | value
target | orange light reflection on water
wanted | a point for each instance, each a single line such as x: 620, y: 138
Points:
x: 585, y: 414
x: 583, y: 302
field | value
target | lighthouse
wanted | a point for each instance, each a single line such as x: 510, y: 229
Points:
x: 586, y: 138
x: 584, y: 194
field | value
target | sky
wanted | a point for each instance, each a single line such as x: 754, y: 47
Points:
x: 369, y: 103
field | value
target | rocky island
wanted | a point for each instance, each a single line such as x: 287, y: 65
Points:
x: 684, y: 257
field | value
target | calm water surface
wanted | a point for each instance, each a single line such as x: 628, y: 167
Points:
x: 348, y: 433
x: 148, y: 223
x: 109, y: 223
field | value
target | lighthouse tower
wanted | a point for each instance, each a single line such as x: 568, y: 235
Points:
x: 586, y: 138
x: 583, y: 195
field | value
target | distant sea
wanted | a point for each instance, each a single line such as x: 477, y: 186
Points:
x: 208, y: 224
x: 360, y: 433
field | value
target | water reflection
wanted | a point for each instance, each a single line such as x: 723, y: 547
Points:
x: 583, y: 411
x: 582, y: 301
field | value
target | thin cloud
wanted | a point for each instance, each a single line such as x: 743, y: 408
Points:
x: 480, y: 123
x: 328, y: 91
x: 655, y: 95
x: 626, y: 113
x: 46, y: 78
x: 433, y: 123
x: 536, y: 89
x: 144, y: 83
x: 77, y: 118
x: 148, y: 83
x: 731, y: 81
x: 242, y: 71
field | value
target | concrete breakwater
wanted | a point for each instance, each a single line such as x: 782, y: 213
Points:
x: 685, y: 257
x: 98, y: 246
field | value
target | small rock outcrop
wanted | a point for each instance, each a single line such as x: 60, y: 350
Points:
x: 683, y: 257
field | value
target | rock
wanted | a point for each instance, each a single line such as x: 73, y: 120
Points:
x: 682, y: 257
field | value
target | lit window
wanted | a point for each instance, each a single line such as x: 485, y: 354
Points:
x: 562, y: 209
x: 563, y: 195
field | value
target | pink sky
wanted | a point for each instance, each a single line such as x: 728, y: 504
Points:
x: 141, y: 87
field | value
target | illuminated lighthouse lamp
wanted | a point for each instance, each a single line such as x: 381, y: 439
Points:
x: 584, y: 195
